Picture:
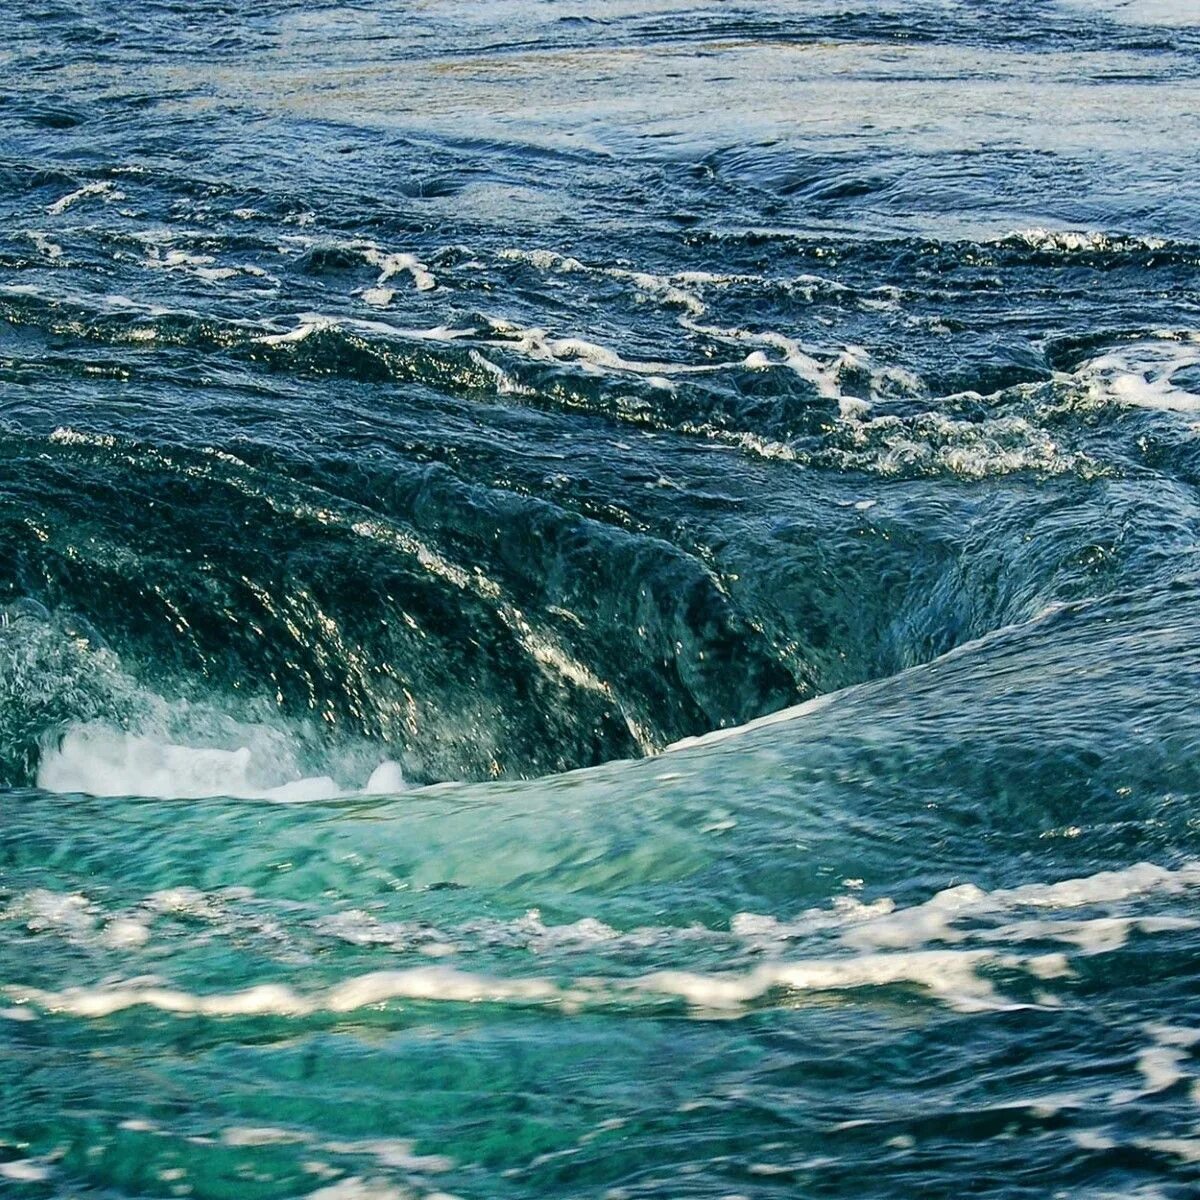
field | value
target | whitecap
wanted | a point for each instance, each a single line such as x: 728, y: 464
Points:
x: 97, y: 760
x: 1145, y: 375
x: 103, y: 188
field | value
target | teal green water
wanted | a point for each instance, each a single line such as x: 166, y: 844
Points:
x: 599, y: 601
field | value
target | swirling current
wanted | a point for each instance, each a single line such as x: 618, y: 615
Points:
x: 599, y: 600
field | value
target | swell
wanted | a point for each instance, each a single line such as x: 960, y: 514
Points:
x: 481, y: 593
x: 500, y: 510
x: 471, y: 622
x: 760, y: 393
x: 217, y: 577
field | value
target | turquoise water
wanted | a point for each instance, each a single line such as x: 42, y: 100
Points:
x: 599, y: 600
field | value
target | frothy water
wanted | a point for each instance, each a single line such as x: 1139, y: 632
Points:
x: 101, y: 761
x: 599, y: 601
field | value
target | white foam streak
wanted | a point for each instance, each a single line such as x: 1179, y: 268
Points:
x: 276, y: 999
x: 391, y: 265
x: 950, y: 976
x: 880, y: 947
x: 677, y: 290
x: 823, y: 377
x: 937, y: 919
x: 44, y: 245
x: 201, y: 266
x: 311, y: 322
x: 1076, y: 241
x: 24, y: 1170
x: 98, y: 761
x: 666, y: 289
x: 1144, y: 375
x: 103, y: 188
x: 540, y: 346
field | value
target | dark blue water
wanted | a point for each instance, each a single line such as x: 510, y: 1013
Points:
x: 430, y: 434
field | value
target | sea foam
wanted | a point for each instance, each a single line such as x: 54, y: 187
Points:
x: 100, y: 761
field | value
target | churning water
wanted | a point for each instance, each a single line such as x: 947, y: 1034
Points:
x: 599, y: 600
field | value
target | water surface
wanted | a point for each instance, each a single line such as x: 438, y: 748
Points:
x: 599, y: 600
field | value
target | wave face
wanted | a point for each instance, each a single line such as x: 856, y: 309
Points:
x: 599, y: 600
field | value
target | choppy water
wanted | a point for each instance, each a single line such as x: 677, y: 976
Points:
x: 433, y: 412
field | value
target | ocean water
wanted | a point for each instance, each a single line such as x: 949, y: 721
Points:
x: 599, y: 600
